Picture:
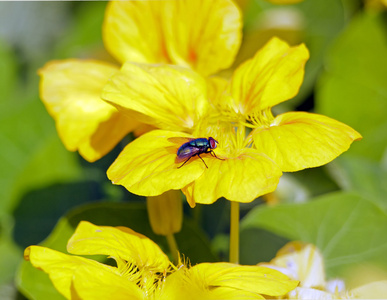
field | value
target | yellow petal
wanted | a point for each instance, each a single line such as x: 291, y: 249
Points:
x: 204, y: 35
x: 98, y: 283
x: 166, y: 96
x: 121, y: 243
x: 147, y: 166
x: 132, y: 31
x: 299, y: 140
x: 107, y: 135
x: 218, y: 93
x: 70, y: 90
x: 187, y: 285
x: 61, y: 267
x: 274, y: 75
x: 242, y: 178
x: 255, y: 279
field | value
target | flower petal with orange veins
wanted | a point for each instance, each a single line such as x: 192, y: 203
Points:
x: 242, y: 179
x: 274, y: 75
x: 70, y: 90
x: 204, y: 35
x: 120, y: 243
x: 166, y: 96
x: 62, y: 267
x: 147, y: 166
x: 299, y: 140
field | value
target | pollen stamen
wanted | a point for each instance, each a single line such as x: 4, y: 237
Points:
x: 261, y: 118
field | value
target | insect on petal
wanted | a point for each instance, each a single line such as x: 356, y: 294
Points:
x: 147, y: 165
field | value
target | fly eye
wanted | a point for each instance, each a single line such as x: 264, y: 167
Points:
x: 212, y: 143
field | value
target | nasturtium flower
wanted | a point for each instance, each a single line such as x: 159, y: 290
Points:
x: 148, y: 165
x: 294, y: 140
x: 143, y: 271
x: 304, y: 262
x: 203, y: 35
x: 254, y: 146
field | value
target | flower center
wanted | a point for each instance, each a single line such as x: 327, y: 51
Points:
x: 261, y: 118
x: 147, y: 280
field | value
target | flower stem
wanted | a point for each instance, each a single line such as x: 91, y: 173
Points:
x: 173, y: 247
x: 234, y: 233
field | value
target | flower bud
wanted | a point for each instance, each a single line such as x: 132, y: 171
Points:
x: 165, y: 212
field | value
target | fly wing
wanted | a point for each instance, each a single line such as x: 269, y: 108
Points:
x: 186, y: 153
x: 179, y: 140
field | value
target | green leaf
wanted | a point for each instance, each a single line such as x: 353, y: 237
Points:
x: 323, y: 21
x: 32, y: 157
x: 10, y: 254
x: 347, y: 228
x: 32, y: 154
x: 353, y: 88
x: 8, y: 71
x: 84, y: 37
x: 44, y: 207
x: 368, y: 178
x: 191, y: 240
x: 258, y: 245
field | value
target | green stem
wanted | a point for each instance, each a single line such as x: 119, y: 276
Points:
x: 234, y: 233
x: 173, y: 247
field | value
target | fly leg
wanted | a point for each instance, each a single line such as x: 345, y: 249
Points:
x: 190, y: 158
x: 184, y: 162
x: 214, y: 155
x: 203, y: 161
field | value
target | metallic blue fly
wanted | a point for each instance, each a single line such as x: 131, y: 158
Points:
x: 195, y: 147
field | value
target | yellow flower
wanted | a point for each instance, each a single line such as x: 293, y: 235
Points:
x: 203, y: 35
x: 185, y: 105
x: 294, y: 140
x: 148, y: 166
x: 304, y: 262
x: 143, y: 271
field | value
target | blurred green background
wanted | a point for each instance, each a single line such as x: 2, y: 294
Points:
x: 46, y: 190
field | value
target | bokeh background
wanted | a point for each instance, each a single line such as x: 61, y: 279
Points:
x: 342, y: 207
